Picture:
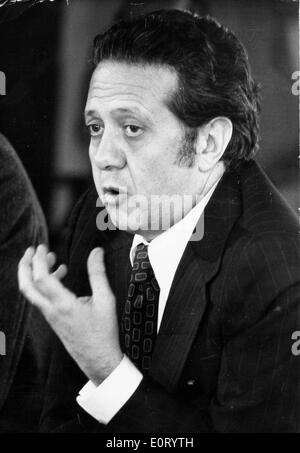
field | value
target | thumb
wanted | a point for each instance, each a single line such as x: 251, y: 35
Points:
x: 97, y: 273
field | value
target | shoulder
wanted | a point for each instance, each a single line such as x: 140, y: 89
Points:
x: 267, y: 230
x: 261, y: 258
x: 264, y: 210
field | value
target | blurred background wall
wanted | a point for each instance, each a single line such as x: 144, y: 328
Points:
x: 45, y: 53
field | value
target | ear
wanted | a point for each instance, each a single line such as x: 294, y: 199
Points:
x: 212, y: 141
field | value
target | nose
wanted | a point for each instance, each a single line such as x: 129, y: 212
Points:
x: 107, y: 153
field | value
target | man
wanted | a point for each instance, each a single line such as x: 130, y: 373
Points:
x: 188, y: 328
x: 23, y: 339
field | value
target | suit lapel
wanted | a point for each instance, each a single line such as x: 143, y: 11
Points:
x: 187, y: 299
x: 183, y: 313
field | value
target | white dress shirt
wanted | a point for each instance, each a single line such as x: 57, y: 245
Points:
x: 165, y: 252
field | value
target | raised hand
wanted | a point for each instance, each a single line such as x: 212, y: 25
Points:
x: 87, y: 326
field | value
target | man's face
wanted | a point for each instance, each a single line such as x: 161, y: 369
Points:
x: 135, y: 143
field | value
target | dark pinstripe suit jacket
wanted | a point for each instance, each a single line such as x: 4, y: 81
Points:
x: 222, y: 360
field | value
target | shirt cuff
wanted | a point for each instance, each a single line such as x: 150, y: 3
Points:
x: 105, y: 401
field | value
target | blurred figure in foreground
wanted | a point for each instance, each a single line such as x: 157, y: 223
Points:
x: 23, y: 331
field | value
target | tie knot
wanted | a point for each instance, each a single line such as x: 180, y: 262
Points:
x: 142, y: 270
x: 141, y: 253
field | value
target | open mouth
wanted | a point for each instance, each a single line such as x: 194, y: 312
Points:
x: 111, y: 191
x: 111, y: 194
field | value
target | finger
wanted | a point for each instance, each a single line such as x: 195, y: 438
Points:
x: 40, y: 268
x: 28, y: 255
x: 24, y: 267
x: 51, y: 288
x: 48, y: 294
x: 85, y: 299
x: 51, y: 259
x: 97, y: 273
x: 25, y: 280
x: 60, y: 272
x: 47, y: 284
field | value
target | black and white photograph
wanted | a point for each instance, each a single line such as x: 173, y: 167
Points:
x: 149, y: 219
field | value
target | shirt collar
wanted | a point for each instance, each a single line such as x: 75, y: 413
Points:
x: 166, y: 250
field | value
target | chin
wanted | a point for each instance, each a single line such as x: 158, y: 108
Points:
x: 119, y: 220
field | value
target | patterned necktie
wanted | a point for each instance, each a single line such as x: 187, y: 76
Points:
x: 139, y: 322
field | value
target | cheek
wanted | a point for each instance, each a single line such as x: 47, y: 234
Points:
x: 92, y: 155
x: 91, y: 149
x: 150, y: 179
x: 160, y: 173
x: 96, y: 177
x: 155, y: 168
x: 91, y: 158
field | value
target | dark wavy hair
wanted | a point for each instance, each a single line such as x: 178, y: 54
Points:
x: 214, y: 76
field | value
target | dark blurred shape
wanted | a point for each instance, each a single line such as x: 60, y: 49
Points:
x: 29, y: 46
x: 11, y: 9
x: 23, y: 368
x: 10, y: 12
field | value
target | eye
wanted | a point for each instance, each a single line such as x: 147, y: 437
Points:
x: 133, y: 131
x: 95, y: 129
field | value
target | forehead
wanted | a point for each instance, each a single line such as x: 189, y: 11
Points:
x: 124, y: 85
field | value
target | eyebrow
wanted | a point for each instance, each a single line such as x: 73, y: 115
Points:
x: 88, y: 113
x: 121, y: 110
